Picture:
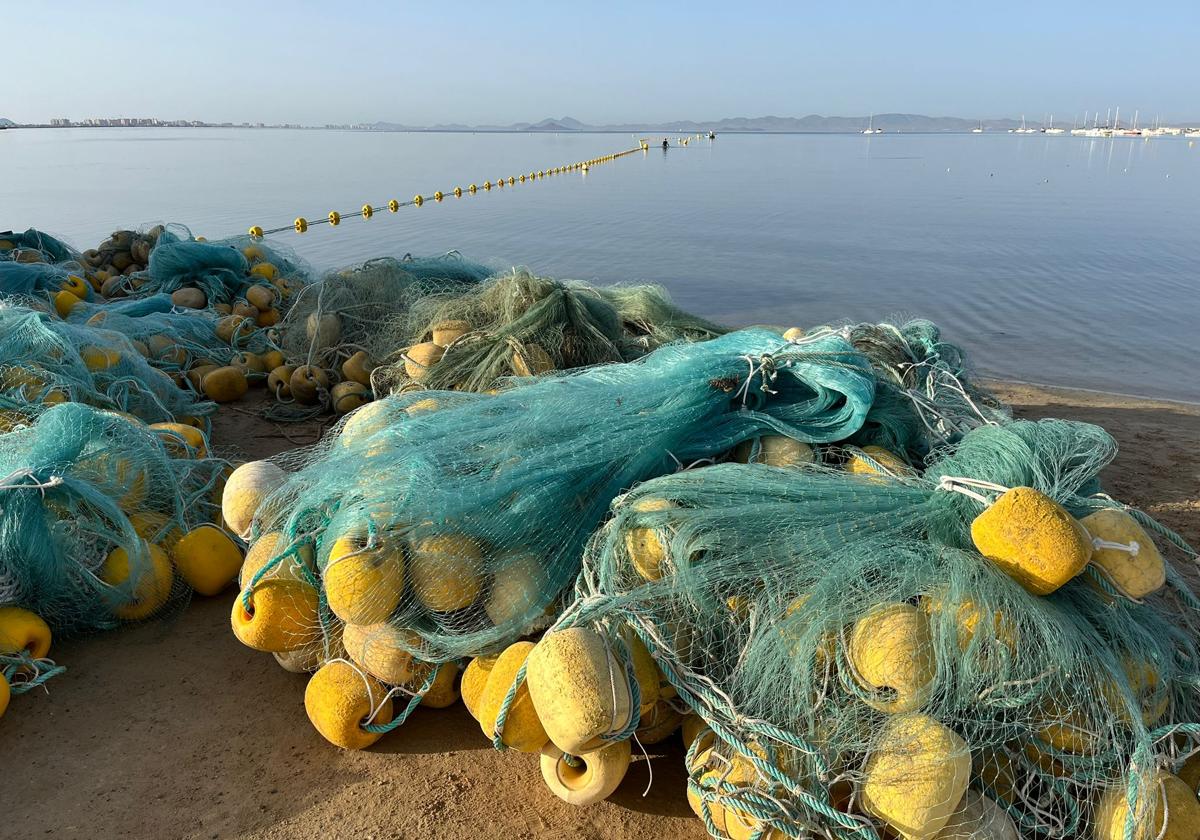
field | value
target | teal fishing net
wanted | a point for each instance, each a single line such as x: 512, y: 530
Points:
x: 90, y: 503
x: 489, y: 499
x: 20, y: 246
x: 862, y: 668
x: 46, y: 360
x: 518, y: 324
x: 41, y: 280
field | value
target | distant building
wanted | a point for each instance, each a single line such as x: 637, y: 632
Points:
x: 60, y: 122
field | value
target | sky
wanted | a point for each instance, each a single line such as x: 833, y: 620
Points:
x: 472, y: 62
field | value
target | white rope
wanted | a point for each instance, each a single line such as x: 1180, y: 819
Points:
x: 52, y: 482
x: 958, y: 484
x: 1132, y: 547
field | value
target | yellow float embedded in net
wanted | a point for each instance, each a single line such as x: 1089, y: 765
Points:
x: 446, y: 332
x: 645, y: 670
x: 22, y: 630
x: 64, y: 302
x: 420, y: 357
x: 154, y: 527
x: 648, y: 547
x: 531, y: 360
x: 658, y: 724
x: 5, y: 695
x: 442, y: 692
x: 279, y: 615
x: 588, y: 778
x: 447, y: 572
x: 207, y: 559
x: 978, y: 818
x: 1032, y: 539
x: 523, y: 730
x: 579, y: 689
x: 775, y: 451
x: 340, y: 699
x: 366, y: 421
x: 181, y: 440
x: 244, y: 492
x: 1125, y: 553
x: 225, y: 384
x: 99, y: 358
x: 267, y: 271
x: 916, y: 775
x: 515, y: 585
x: 358, y: 368
x: 383, y: 650
x: 967, y: 617
x: 891, y: 463
x: 891, y: 651
x: 263, y: 551
x: 1167, y: 810
x: 364, y: 580
x: 151, y: 588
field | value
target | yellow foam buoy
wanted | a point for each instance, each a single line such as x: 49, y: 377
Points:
x: 323, y: 330
x: 281, y: 615
x: 233, y: 327
x: 516, y: 586
x: 151, y: 587
x: 645, y: 670
x: 358, y: 368
x: 300, y: 661
x: 658, y: 724
x: 189, y: 298
x: 181, y: 440
x: 339, y: 700
x: 445, y: 332
x: 474, y: 680
x: 64, y: 302
x: 776, y: 451
x: 279, y: 381
x: 347, y: 396
x: 1032, y: 539
x: 225, y: 384
x: 1125, y: 553
x: 267, y: 271
x: 531, y: 360
x: 978, y: 818
x: 967, y: 617
x: 207, y: 559
x: 588, y: 778
x: 1190, y: 772
x: 648, y: 547
x: 272, y: 359
x: 152, y: 527
x: 692, y: 727
x: 523, y: 730
x: 99, y: 358
x: 442, y: 692
x: 579, y: 689
x: 22, y: 630
x: 264, y: 550
x: 364, y: 582
x: 261, y: 297
x: 447, y: 572
x: 916, y: 776
x: 363, y: 422
x: 891, y: 463
x: 384, y: 650
x: 245, y: 489
x: 419, y: 358
x: 793, y: 334
x: 5, y: 694
x: 891, y: 651
x: 308, y: 383
x: 1167, y: 810
x: 76, y: 285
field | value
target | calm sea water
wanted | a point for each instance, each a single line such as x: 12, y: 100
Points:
x: 1052, y: 259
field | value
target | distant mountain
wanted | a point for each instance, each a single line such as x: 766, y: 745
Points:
x: 813, y: 123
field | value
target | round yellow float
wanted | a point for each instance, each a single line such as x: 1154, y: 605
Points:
x: 339, y: 699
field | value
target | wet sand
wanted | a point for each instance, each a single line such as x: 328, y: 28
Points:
x: 174, y: 729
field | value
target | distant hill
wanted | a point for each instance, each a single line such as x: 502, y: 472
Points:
x: 813, y: 123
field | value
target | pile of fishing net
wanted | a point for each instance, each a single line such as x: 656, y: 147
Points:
x: 993, y: 648
x: 45, y: 360
x: 103, y: 520
x: 518, y: 324
x: 34, y: 246
x: 438, y: 525
x: 56, y: 287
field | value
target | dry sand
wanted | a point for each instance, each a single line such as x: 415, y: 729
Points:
x: 174, y: 729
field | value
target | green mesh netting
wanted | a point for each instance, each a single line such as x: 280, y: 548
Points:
x: 40, y: 280
x: 520, y: 324
x: 46, y: 360
x: 862, y: 665
x: 79, y: 484
x: 347, y: 311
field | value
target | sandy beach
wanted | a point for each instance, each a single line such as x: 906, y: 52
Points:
x: 174, y: 729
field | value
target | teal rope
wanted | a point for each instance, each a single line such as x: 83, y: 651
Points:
x: 413, y: 702
x: 44, y: 669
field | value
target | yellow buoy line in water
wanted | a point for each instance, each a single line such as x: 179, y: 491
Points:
x: 334, y: 218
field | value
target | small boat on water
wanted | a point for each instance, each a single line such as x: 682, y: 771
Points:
x: 871, y: 129
x: 712, y: 135
x: 1023, y: 129
x: 1052, y: 130
x: 978, y: 129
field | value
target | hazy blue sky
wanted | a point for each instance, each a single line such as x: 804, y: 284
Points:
x: 421, y: 63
